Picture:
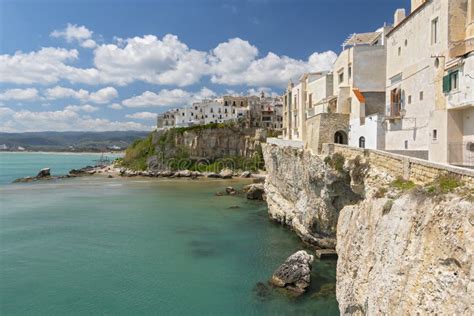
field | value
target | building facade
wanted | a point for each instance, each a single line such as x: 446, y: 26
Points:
x: 429, y: 102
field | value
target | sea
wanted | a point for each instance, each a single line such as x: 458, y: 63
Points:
x: 140, y: 246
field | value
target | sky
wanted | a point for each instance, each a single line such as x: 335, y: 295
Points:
x: 100, y: 65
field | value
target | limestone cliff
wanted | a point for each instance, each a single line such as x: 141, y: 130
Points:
x: 409, y: 255
x: 305, y: 193
x: 198, y: 143
x: 403, y: 248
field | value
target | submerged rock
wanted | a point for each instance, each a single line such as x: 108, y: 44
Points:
x: 295, y: 273
x: 231, y: 191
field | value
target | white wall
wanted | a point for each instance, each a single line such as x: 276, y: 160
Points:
x: 372, y: 130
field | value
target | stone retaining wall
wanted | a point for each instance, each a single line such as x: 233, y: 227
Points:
x: 417, y: 170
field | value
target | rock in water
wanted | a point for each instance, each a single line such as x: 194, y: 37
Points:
x: 230, y: 191
x: 255, y: 191
x: 295, y: 273
x: 43, y: 173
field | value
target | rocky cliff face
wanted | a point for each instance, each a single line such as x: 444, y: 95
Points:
x: 306, y: 194
x: 205, y: 143
x: 402, y: 249
x: 412, y: 254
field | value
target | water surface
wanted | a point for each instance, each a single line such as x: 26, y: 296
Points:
x: 94, y: 245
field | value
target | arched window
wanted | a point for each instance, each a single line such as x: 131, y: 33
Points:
x: 362, y: 142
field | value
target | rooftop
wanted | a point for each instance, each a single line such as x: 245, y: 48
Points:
x: 362, y: 39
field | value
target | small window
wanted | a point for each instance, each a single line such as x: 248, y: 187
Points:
x: 399, y: 51
x: 341, y: 77
x: 362, y: 142
x: 409, y: 99
x: 421, y: 95
x: 435, y: 134
x: 434, y: 31
x: 406, y: 43
x: 350, y: 71
x: 454, y: 77
x: 406, y: 144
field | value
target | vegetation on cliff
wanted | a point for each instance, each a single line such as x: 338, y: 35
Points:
x: 168, y: 150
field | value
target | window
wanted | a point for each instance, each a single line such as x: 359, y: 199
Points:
x: 409, y: 99
x: 362, y: 142
x: 406, y: 43
x: 421, y: 95
x: 434, y: 31
x: 310, y: 100
x: 341, y: 77
x: 451, y: 81
x: 395, y: 102
x: 406, y: 144
x: 399, y: 51
x: 350, y: 71
x: 435, y: 134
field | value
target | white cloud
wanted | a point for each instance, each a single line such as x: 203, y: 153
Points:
x: 115, y: 106
x: 235, y: 63
x: 165, y: 61
x: 167, y: 98
x: 142, y: 116
x: 84, y: 108
x: 28, y: 94
x: 149, y: 59
x: 104, y: 95
x: 65, y: 120
x: 101, y: 96
x: 74, y: 33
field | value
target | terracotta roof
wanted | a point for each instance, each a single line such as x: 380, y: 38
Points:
x: 359, y: 95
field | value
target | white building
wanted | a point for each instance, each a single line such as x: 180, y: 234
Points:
x: 429, y: 82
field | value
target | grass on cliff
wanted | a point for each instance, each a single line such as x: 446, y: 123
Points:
x: 137, y: 154
x: 403, y: 185
x: 444, y: 184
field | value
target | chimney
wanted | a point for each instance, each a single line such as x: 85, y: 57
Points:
x: 416, y: 3
x: 399, y: 16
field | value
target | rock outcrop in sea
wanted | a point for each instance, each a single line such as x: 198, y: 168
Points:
x: 295, y: 273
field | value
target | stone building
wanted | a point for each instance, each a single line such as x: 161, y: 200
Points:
x: 429, y: 98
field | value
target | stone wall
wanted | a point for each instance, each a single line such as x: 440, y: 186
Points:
x: 321, y: 128
x: 417, y: 170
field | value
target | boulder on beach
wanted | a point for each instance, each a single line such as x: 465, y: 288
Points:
x: 226, y: 174
x: 295, y: 273
x: 245, y: 174
x: 213, y: 175
x: 184, y: 173
x: 167, y: 173
x: 43, y: 174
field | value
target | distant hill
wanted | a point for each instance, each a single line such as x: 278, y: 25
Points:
x: 70, y: 141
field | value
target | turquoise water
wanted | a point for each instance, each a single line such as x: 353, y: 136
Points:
x: 116, y: 246
x: 14, y: 165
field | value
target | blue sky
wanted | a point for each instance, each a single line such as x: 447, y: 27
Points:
x: 108, y: 65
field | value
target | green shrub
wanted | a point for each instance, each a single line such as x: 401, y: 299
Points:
x: 137, y: 154
x: 402, y: 184
x: 444, y: 184
x: 336, y: 161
